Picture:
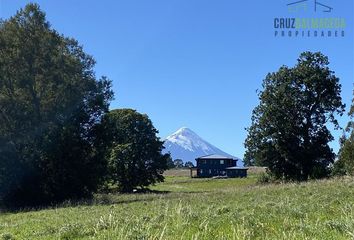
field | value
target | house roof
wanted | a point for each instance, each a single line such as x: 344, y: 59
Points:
x: 214, y: 156
x: 235, y: 168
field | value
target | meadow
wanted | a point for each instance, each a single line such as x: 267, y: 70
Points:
x: 185, y: 208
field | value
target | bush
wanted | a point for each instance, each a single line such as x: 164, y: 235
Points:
x: 264, y: 178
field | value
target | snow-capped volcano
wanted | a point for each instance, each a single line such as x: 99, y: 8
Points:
x: 187, y: 145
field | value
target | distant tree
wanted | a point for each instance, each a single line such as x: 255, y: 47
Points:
x: 133, y: 150
x: 345, y: 164
x: 188, y: 164
x: 249, y: 161
x: 339, y: 168
x: 170, y: 163
x: 346, y: 156
x: 289, y: 133
x: 50, y: 104
x: 178, y: 163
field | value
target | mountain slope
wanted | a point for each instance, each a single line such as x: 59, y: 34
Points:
x: 187, y: 145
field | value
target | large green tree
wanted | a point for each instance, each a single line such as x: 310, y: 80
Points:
x: 289, y: 133
x: 132, y: 149
x: 345, y: 164
x: 50, y: 105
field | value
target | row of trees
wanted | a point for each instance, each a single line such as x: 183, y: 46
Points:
x: 58, y: 139
x: 289, y: 132
x: 178, y: 163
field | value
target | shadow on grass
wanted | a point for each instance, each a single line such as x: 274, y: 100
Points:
x: 142, y: 195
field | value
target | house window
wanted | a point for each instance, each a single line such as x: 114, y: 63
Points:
x: 209, y: 171
x: 221, y: 161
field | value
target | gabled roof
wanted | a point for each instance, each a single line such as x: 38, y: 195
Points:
x: 214, y: 156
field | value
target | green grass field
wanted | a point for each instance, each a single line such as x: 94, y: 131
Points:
x: 184, y: 208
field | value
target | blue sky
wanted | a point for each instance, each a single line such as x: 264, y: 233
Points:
x: 194, y: 63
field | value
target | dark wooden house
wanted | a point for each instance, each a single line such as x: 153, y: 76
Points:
x: 217, y: 165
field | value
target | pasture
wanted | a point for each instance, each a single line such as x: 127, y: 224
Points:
x: 184, y: 208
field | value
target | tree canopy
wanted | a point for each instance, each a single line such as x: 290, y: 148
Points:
x: 289, y: 133
x: 178, y: 163
x: 50, y: 105
x: 345, y: 163
x: 133, y: 151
